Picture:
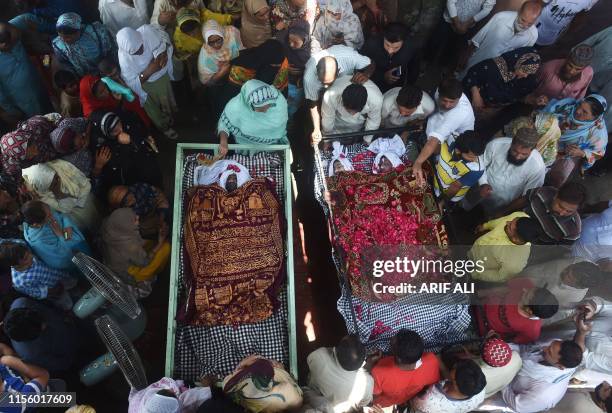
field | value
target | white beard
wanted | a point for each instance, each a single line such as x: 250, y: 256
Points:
x: 517, y: 27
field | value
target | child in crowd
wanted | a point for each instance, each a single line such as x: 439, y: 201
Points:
x: 70, y: 103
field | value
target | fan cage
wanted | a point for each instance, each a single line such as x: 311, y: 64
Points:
x: 110, y: 285
x: 122, y: 349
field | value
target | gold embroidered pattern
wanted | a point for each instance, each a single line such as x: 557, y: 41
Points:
x: 235, y: 252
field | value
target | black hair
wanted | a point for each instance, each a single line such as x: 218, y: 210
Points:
x: 596, y: 107
x: 354, y: 97
x: 587, y: 274
x: 107, y: 65
x: 543, y: 304
x: 322, y: 66
x: 63, y: 78
x: 166, y: 393
x: 23, y: 324
x: 572, y: 192
x: 608, y: 404
x: 11, y: 253
x: 528, y: 229
x: 395, y: 32
x: 570, y: 354
x: 350, y: 352
x: 450, y: 88
x: 469, y: 378
x: 409, y: 96
x: 189, y: 26
x: 470, y: 141
x: 34, y: 212
x: 408, y: 347
x: 96, y: 85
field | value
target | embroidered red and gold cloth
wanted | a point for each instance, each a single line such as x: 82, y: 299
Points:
x: 382, y: 217
x: 234, y: 253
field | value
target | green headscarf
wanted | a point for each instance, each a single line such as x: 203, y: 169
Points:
x: 240, y: 120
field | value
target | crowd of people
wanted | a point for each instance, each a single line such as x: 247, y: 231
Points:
x: 510, y: 135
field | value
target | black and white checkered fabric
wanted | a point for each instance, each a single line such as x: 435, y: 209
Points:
x: 440, y: 319
x: 201, y: 350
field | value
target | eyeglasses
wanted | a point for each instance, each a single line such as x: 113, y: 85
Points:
x: 217, y: 43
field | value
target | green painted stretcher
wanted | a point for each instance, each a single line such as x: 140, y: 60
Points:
x: 181, y: 342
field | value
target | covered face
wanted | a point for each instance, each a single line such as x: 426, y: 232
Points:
x: 388, y: 154
x: 339, y: 161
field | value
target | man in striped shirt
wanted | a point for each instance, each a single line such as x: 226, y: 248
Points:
x: 458, y: 166
x: 555, y: 210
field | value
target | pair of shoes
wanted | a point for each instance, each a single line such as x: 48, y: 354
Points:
x: 171, y: 134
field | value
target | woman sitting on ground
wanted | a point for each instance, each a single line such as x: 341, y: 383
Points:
x: 255, y: 26
x: 125, y: 251
x: 257, y: 116
x: 221, y: 45
x: 65, y: 189
x: 262, y: 385
x: 52, y: 236
x: 187, y: 35
x: 80, y: 47
x: 337, y: 24
x: 584, y: 136
x: 27, y: 145
x: 147, y: 201
x: 288, y: 12
x: 70, y: 139
x: 95, y: 95
x: 126, y: 153
x: 13, y: 194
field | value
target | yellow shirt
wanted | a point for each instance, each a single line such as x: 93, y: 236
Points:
x: 502, y: 259
x: 187, y: 46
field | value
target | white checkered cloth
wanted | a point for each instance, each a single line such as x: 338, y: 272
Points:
x: 202, y: 350
x: 439, y: 319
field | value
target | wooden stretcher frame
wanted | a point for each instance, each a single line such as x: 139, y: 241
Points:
x: 181, y: 150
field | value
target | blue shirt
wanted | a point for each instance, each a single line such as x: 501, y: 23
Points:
x: 56, y: 348
x: 21, y: 88
x: 14, y: 384
x: 36, y: 280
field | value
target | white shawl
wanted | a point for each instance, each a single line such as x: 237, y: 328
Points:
x: 218, y: 173
x: 339, y: 155
x: 391, y: 148
x: 154, y: 42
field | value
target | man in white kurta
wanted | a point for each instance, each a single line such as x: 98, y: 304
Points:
x: 342, y: 389
x: 508, y: 181
x: 584, y: 401
x: 392, y: 116
x: 550, y: 274
x: 540, y: 384
x: 506, y: 31
x: 117, y: 14
x: 336, y: 118
x: 595, y: 242
x: 598, y: 356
